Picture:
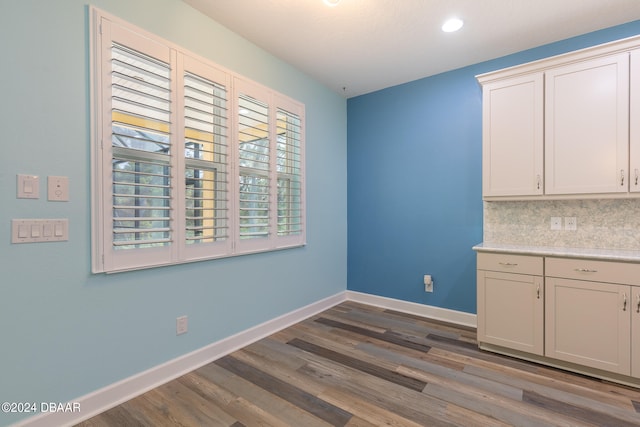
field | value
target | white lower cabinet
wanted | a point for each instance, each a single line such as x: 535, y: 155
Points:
x: 587, y: 324
x: 588, y: 313
x: 635, y: 333
x: 579, y: 314
x: 511, y: 302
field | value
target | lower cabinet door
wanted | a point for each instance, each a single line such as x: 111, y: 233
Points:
x: 589, y: 323
x: 511, y: 311
x: 635, y: 332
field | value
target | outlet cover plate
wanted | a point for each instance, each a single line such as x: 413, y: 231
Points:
x: 570, y: 223
x: 182, y: 325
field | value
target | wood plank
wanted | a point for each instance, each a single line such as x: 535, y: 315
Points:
x: 368, y: 368
x: 554, y: 394
x: 366, y: 410
x: 182, y: 406
x: 503, y: 410
x: 310, y: 403
x: 389, y: 337
x: 468, y: 418
x: 431, y: 372
x: 236, y: 406
x: 587, y: 414
x: 397, y: 399
x: 280, y: 409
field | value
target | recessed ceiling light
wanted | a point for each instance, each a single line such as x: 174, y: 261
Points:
x: 331, y: 2
x: 451, y: 25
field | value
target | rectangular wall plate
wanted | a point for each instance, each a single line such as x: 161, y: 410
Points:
x: 570, y: 223
x: 39, y: 230
x: 58, y: 188
x: 28, y: 186
x: 182, y: 325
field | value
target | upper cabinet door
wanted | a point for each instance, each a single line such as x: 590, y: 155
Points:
x: 587, y: 126
x: 512, y: 147
x: 634, y: 124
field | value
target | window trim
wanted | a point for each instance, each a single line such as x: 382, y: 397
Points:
x: 106, y: 28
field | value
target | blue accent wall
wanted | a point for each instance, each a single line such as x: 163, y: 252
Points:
x: 67, y: 332
x: 415, y: 180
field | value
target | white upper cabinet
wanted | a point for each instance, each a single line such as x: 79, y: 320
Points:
x: 512, y: 151
x: 586, y: 126
x: 634, y: 123
x: 567, y: 126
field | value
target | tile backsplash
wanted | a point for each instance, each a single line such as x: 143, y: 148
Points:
x: 601, y: 223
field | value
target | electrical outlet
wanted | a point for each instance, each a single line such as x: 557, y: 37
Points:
x: 570, y: 223
x: 182, y: 325
x: 428, y: 283
x: 556, y: 223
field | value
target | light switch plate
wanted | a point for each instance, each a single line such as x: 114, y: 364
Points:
x: 39, y: 230
x: 28, y: 186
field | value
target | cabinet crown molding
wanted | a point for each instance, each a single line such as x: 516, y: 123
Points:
x: 543, y: 64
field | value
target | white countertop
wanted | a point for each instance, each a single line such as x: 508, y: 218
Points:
x: 604, y: 254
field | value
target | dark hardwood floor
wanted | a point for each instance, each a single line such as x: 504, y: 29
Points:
x: 357, y: 365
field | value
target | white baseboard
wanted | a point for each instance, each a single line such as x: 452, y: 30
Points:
x: 114, y: 394
x: 429, y: 311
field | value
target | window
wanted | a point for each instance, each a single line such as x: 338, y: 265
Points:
x: 189, y: 161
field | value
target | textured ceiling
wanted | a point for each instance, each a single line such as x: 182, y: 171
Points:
x: 360, y: 46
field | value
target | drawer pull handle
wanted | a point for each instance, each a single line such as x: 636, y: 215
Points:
x: 624, y: 301
x: 621, y: 177
x: 585, y: 270
x: 638, y: 306
x: 538, y: 295
x: 508, y: 264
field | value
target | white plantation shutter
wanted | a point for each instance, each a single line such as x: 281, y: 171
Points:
x: 289, y: 168
x: 190, y: 162
x: 134, y: 169
x: 254, y: 166
x: 141, y: 145
x: 207, y: 222
x: 270, y: 170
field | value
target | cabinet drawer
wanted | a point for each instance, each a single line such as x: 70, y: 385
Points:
x: 521, y: 264
x: 592, y: 270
